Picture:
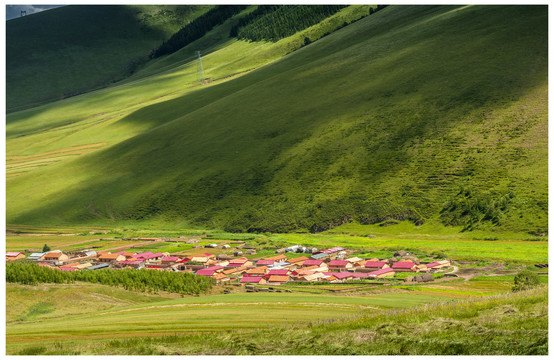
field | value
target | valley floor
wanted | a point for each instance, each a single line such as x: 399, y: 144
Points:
x: 474, y: 313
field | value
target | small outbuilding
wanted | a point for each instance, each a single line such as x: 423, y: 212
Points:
x: 14, y: 255
x: 55, y: 256
x: 36, y: 256
x: 278, y: 279
x: 111, y: 258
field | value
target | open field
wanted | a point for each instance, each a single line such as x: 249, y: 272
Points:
x: 107, y: 315
x: 501, y: 250
x: 65, y: 243
x: 257, y: 319
x: 59, y: 301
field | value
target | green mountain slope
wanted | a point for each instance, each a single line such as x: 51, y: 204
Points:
x: 72, y: 49
x: 415, y: 112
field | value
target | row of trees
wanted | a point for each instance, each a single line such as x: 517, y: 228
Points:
x: 272, y: 24
x: 267, y: 22
x: 197, y: 29
x: 247, y: 19
x: 130, y: 279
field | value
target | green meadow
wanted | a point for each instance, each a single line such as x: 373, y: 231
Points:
x: 460, y: 249
x: 178, y: 325
x: 47, y: 314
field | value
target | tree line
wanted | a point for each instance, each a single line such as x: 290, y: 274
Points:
x: 197, y: 29
x: 267, y: 22
x: 129, y: 279
x: 247, y: 19
x: 273, y: 23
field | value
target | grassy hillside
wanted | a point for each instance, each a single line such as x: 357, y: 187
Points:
x: 70, y: 50
x: 414, y: 112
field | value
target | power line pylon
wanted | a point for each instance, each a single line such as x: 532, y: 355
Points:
x: 200, y: 71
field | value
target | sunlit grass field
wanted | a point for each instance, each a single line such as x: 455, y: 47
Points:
x: 257, y: 319
x: 65, y: 314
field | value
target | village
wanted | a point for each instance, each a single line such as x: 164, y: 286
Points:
x: 291, y: 264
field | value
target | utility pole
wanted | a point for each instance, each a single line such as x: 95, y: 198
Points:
x: 200, y: 71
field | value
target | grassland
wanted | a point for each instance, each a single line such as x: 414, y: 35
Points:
x: 518, y: 251
x: 354, y: 130
x: 114, y: 318
x: 291, y: 324
x: 65, y: 243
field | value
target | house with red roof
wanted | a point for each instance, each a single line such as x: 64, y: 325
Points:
x: 205, y: 272
x: 404, y: 266
x: 252, y: 280
x: 148, y: 256
x: 312, y: 262
x: 281, y: 272
x: 239, y: 262
x: 438, y: 264
x: 375, y: 265
x: 340, y: 265
x: 170, y: 260
x: 381, y: 273
x: 341, y: 275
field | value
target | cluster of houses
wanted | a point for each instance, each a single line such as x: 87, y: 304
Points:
x: 295, y: 264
